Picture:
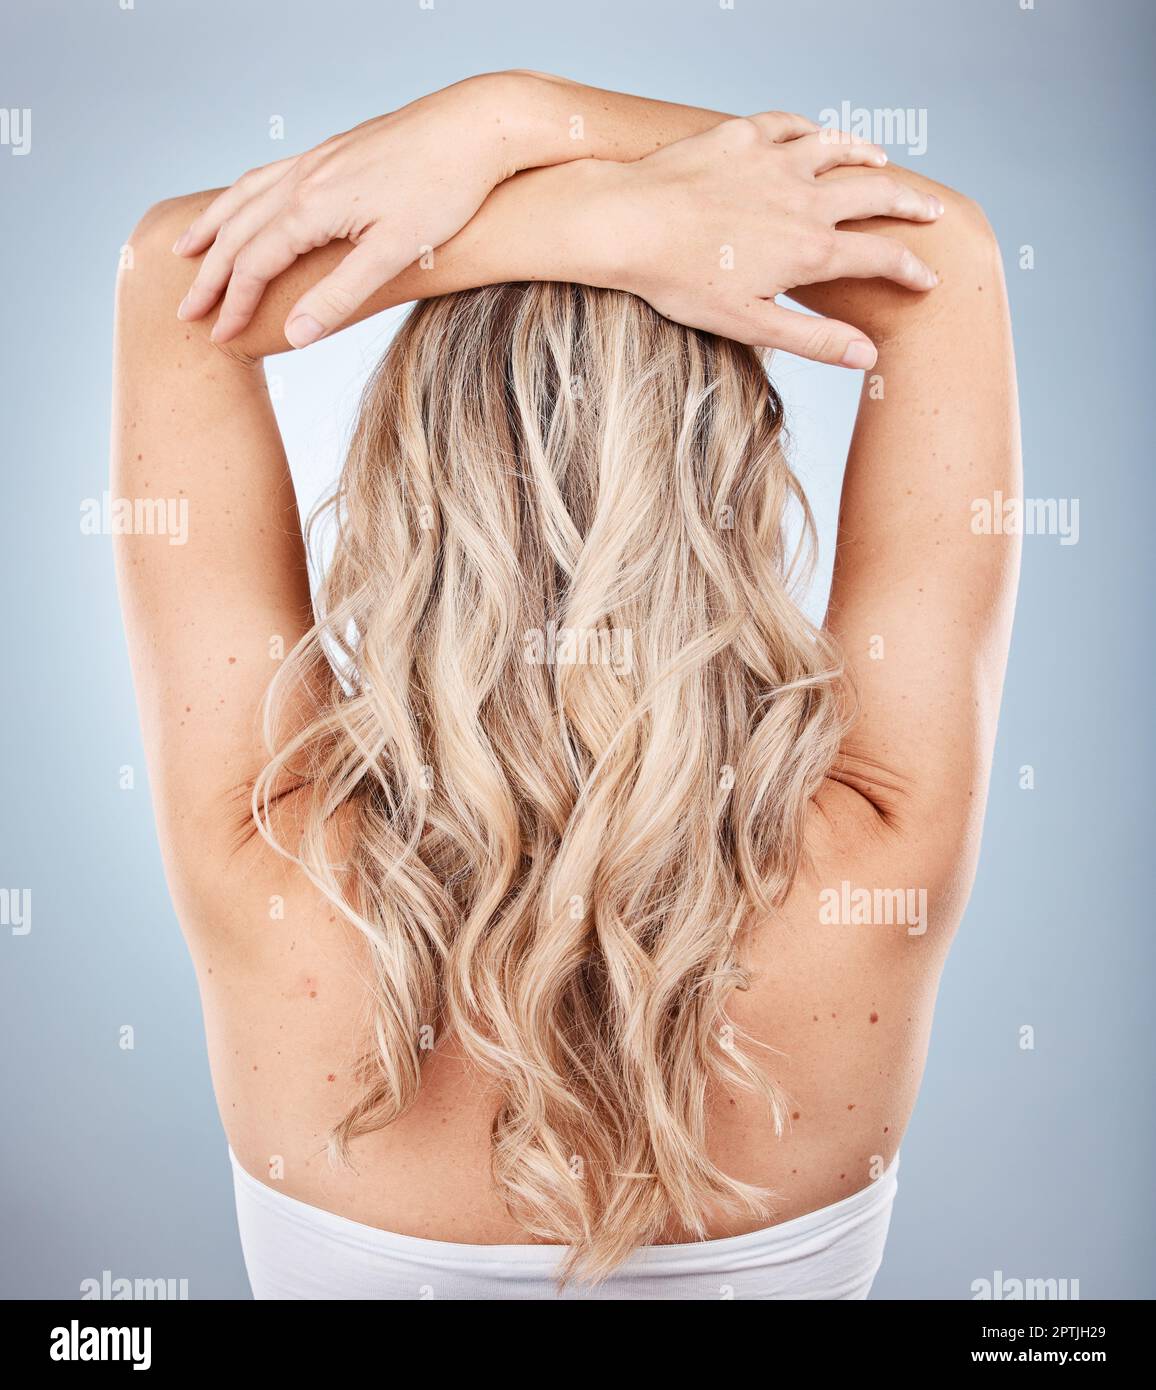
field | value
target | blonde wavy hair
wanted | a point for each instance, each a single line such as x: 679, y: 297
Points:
x: 564, y: 706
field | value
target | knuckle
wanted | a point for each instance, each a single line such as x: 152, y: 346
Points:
x: 244, y: 266
x: 819, y: 249
x: 337, y: 298
x: 782, y: 118
x: 907, y: 264
x: 314, y: 162
x: 228, y: 234
x: 742, y: 131
x: 308, y: 162
x: 823, y: 344
x: 305, y: 190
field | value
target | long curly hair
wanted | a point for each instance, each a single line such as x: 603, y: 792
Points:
x: 564, y: 705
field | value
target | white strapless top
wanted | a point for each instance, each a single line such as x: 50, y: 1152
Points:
x: 297, y: 1251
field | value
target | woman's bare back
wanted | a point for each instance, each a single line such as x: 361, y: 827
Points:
x: 845, y: 1006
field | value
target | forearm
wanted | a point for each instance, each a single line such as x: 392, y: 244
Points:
x: 545, y: 224
x: 559, y: 120
x: 535, y: 224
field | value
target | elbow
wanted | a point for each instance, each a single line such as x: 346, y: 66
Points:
x: 967, y: 225
x: 152, y: 239
x: 151, y: 281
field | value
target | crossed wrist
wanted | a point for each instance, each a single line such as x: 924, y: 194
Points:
x: 589, y: 237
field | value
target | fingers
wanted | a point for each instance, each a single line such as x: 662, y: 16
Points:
x: 877, y: 195
x: 819, y: 339
x: 829, y: 149
x: 272, y: 250
x: 214, y: 271
x: 372, y: 263
x: 227, y: 204
x: 863, y: 256
x: 783, y: 125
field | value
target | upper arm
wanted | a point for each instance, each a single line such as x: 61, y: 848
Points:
x: 209, y: 618
x: 920, y: 603
x: 212, y: 603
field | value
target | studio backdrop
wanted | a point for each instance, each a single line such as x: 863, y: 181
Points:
x: 1031, y: 1151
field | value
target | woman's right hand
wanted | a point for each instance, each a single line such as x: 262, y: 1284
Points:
x: 712, y: 228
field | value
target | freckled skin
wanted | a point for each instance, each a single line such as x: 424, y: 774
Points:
x: 411, y: 1182
x: 905, y: 809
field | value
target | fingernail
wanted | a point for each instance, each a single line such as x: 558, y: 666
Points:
x: 181, y: 242
x: 881, y: 158
x: 303, y: 330
x: 860, y: 355
x: 183, y: 307
x: 936, y: 207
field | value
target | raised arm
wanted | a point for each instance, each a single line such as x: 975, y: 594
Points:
x: 921, y: 603
x: 394, y: 189
x: 401, y: 184
x: 210, y: 613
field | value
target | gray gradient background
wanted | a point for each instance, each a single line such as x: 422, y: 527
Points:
x: 1035, y: 1163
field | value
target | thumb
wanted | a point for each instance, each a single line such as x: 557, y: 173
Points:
x: 337, y: 298
x: 819, y: 339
